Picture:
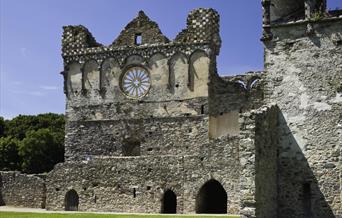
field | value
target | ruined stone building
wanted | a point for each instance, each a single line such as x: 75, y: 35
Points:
x: 152, y: 127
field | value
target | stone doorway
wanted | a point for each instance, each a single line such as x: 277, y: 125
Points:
x: 71, y: 201
x: 211, y: 198
x: 169, y: 202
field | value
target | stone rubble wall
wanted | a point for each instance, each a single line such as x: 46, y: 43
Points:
x: 157, y: 136
x: 304, y: 77
x: 22, y: 190
x: 139, y: 110
x: 109, y: 183
x: 236, y: 93
x: 258, y: 159
x: 266, y: 165
x: 143, y: 26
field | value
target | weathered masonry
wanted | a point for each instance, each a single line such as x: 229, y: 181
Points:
x: 152, y: 127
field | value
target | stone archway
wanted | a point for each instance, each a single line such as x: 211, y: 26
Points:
x: 169, y: 202
x: 71, y: 200
x: 211, y: 198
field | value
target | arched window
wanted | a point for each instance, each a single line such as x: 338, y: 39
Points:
x: 91, y: 78
x: 71, y: 200
x: 198, y: 70
x: 169, y: 202
x: 178, y: 72
x: 211, y: 198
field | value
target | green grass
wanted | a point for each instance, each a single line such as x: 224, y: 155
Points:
x: 85, y: 215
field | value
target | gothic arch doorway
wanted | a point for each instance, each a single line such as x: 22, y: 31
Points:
x: 169, y: 202
x: 71, y: 200
x: 211, y: 198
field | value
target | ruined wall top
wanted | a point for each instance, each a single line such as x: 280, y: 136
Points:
x: 202, y: 26
x: 140, y: 26
x: 280, y: 13
x: 77, y: 37
x: 142, y: 32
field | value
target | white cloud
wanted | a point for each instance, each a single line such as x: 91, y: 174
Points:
x: 33, y: 93
x: 49, y: 87
x: 36, y: 93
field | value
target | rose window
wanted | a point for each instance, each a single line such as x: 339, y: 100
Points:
x: 135, y: 83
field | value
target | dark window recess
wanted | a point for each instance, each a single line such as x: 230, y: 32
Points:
x: 131, y: 147
x: 169, y: 202
x: 202, y: 109
x: 134, y: 193
x: 138, y: 39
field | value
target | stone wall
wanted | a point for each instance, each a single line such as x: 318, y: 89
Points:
x: 22, y: 190
x: 137, y: 184
x: 95, y: 79
x: 139, y: 110
x: 258, y: 159
x: 236, y: 93
x: 266, y: 165
x: 156, y: 136
x: 304, y: 74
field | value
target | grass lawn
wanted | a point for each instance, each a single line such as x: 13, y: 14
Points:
x: 85, y: 215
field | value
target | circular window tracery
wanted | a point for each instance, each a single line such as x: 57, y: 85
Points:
x: 135, y: 82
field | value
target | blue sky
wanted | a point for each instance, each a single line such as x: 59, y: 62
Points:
x: 30, y: 41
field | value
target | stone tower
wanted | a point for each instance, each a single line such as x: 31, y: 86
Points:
x: 303, y: 61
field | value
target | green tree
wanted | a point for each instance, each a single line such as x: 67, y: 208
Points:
x: 2, y: 127
x: 40, y: 150
x: 9, y: 157
x: 20, y: 125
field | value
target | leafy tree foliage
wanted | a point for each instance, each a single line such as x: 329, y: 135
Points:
x: 40, y: 151
x: 9, y: 157
x: 33, y: 144
x: 20, y: 125
x: 2, y: 126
